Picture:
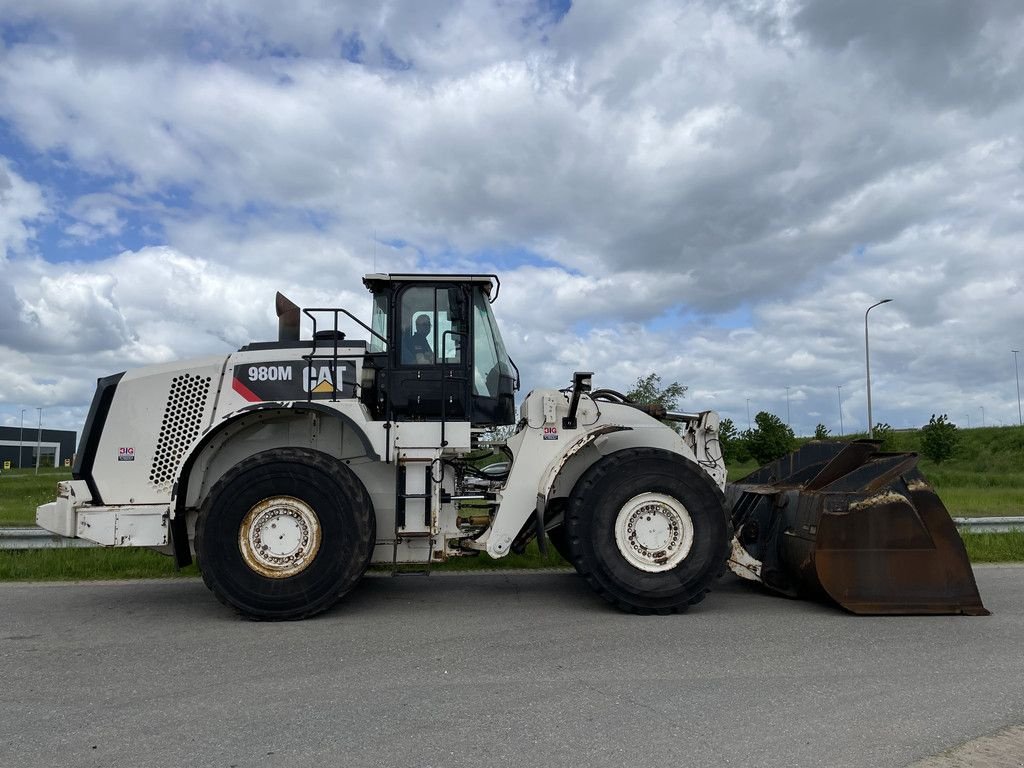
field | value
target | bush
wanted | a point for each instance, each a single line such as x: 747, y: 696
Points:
x: 734, y: 446
x: 821, y: 432
x: 883, y: 433
x: 770, y: 439
x: 939, y: 438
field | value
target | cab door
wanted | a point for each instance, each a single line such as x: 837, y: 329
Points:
x: 430, y: 362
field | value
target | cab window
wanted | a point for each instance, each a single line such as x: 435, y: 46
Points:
x: 433, y: 325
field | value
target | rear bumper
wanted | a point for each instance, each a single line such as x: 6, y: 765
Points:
x: 72, y: 516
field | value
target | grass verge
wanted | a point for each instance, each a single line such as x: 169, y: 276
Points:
x: 995, y: 547
x: 100, y: 563
x: 88, y: 564
x: 983, y: 502
x: 21, y: 491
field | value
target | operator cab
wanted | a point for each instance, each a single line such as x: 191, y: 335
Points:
x: 435, y: 351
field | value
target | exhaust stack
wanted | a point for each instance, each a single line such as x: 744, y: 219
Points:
x: 287, y: 318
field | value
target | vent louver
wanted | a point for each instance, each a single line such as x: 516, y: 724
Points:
x: 182, y: 423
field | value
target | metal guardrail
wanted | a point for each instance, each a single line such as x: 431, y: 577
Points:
x: 38, y: 538
x: 989, y: 524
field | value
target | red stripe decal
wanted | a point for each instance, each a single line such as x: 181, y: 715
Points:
x: 244, y: 391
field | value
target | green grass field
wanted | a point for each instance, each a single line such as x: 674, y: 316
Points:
x: 21, y: 491
x: 99, y: 563
x: 88, y: 564
x: 103, y: 563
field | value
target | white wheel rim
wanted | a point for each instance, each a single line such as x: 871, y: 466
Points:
x: 279, y: 537
x: 654, y: 532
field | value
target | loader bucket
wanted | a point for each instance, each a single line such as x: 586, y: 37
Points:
x: 858, y: 525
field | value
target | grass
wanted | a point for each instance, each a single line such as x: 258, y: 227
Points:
x: 983, y: 502
x: 88, y: 564
x: 995, y: 547
x: 22, y: 490
x: 100, y: 563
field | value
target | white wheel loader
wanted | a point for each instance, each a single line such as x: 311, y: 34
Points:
x: 289, y: 467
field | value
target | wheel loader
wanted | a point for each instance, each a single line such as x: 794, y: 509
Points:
x: 288, y: 467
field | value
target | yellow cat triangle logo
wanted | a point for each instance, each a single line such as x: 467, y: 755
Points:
x: 324, y: 386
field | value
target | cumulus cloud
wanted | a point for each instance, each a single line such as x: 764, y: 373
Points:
x: 711, y: 191
x: 21, y: 206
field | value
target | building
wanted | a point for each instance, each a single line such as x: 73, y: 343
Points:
x: 56, y: 447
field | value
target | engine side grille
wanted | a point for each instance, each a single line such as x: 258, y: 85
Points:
x: 183, y: 421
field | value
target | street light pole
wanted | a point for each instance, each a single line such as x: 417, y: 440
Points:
x: 1020, y: 422
x: 788, y: 422
x: 839, y: 390
x: 748, y: 413
x: 982, y: 415
x: 867, y: 362
x: 21, y: 438
x: 39, y: 440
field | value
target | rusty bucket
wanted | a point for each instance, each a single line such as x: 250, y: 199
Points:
x: 854, y: 523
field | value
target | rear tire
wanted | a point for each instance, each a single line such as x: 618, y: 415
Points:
x: 285, y: 534
x: 648, y: 530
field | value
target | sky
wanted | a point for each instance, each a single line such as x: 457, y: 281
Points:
x: 711, y: 191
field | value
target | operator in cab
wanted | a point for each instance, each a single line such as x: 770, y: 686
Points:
x: 416, y: 349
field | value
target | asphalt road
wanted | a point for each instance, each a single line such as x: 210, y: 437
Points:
x: 491, y: 670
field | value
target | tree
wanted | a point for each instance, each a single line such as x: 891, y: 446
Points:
x: 821, y: 432
x: 939, y: 438
x: 648, y: 389
x: 734, y: 446
x: 770, y: 439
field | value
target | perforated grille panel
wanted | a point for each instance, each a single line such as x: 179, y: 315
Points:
x: 182, y: 423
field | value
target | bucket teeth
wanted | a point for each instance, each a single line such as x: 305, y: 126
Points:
x: 862, y: 527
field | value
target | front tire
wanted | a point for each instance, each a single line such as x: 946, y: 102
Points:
x: 285, y: 534
x: 648, y: 530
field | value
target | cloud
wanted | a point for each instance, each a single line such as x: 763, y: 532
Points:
x: 21, y: 206
x: 646, y: 175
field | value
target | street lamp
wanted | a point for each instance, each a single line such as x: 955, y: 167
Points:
x: 839, y: 390
x: 39, y: 440
x: 21, y: 437
x: 982, y: 415
x: 1020, y: 422
x: 788, y: 422
x: 748, y: 413
x: 867, y: 362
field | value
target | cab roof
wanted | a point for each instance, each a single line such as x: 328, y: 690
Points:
x: 377, y: 280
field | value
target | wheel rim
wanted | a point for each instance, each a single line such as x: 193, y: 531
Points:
x: 654, y: 532
x: 279, y: 537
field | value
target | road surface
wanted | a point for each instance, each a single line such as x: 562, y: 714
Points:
x: 516, y: 669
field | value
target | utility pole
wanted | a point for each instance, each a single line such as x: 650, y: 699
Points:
x: 1020, y: 422
x: 21, y: 437
x: 867, y: 363
x: 39, y: 440
x: 839, y: 389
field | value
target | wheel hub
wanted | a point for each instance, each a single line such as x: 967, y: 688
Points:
x: 654, y: 532
x: 279, y: 537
